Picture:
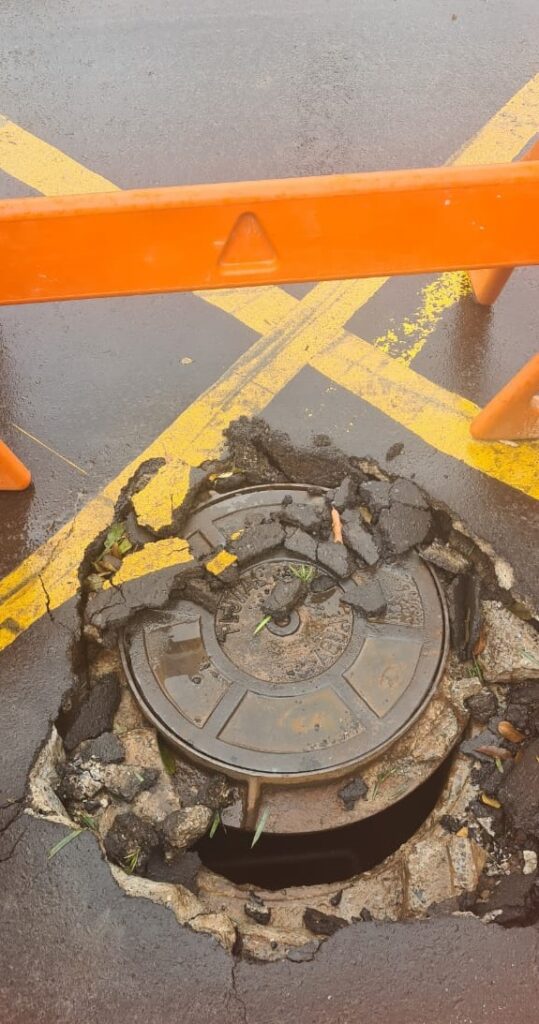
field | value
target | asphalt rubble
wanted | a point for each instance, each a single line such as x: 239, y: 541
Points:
x: 149, y: 813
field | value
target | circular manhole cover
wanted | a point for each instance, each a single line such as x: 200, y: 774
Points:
x: 313, y: 696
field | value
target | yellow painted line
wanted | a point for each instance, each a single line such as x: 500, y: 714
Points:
x: 50, y: 574
x: 501, y: 140
x: 223, y: 560
x: 506, y: 134
x: 439, y: 417
x: 298, y: 333
x: 259, y: 374
x: 159, y: 555
x: 43, y: 167
x: 406, y: 341
x: 261, y: 308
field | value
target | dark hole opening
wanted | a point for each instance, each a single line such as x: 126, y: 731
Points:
x: 278, y: 861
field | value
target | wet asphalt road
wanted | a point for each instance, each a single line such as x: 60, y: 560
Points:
x: 168, y: 93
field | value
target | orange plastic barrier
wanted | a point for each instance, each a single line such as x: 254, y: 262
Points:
x: 513, y: 414
x: 14, y: 476
x: 487, y: 284
x: 269, y: 232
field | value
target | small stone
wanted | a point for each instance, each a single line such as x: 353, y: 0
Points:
x: 78, y: 785
x: 256, y: 541
x: 358, y: 538
x: 467, y: 861
x: 127, y: 781
x: 450, y: 823
x: 517, y: 897
x: 257, y: 910
x: 375, y: 494
x: 353, y: 791
x: 182, y: 828
x: 130, y: 841
x: 443, y: 556
x: 482, y: 705
x: 106, y: 749
x: 511, y: 651
x: 285, y: 595
x: 519, y: 791
x: 489, y: 780
x: 301, y: 543
x: 345, y: 496
x: 394, y: 451
x: 483, y: 739
x: 322, y: 924
x: 365, y: 915
x: 311, y: 518
x: 336, y: 899
x: 407, y: 493
x: 95, y: 713
x: 404, y: 526
x: 530, y: 862
x: 523, y: 707
x: 303, y: 954
x: 336, y: 558
x: 430, y: 879
x: 367, y: 597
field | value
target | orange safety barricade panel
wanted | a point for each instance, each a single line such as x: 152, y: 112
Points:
x: 487, y: 284
x: 513, y: 414
x: 14, y: 476
x: 269, y: 232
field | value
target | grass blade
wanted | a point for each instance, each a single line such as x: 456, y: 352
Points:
x: 303, y: 572
x: 63, y: 842
x: 260, y: 827
x: 215, y: 824
x: 263, y: 622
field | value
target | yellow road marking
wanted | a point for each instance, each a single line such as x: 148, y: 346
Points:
x: 43, y: 167
x: 294, y: 335
x: 506, y: 134
x: 259, y: 374
x: 439, y: 417
x: 151, y: 558
x: 500, y: 141
x: 220, y: 562
x: 49, y: 576
x: 407, y: 340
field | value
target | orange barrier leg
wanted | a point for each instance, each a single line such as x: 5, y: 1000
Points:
x: 487, y: 284
x: 513, y: 414
x: 14, y: 476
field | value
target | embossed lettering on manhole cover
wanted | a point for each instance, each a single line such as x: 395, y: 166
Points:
x: 319, y: 697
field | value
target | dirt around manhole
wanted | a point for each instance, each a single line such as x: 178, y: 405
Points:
x: 279, y: 591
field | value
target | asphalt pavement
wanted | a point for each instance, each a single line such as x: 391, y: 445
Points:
x: 168, y: 93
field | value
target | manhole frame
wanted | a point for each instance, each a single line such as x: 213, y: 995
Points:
x: 311, y: 777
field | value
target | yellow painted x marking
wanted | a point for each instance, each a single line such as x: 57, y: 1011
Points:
x: 294, y: 334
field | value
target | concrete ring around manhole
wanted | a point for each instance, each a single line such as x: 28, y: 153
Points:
x: 293, y: 713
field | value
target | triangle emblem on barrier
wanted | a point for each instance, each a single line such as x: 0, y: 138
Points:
x: 247, y: 248
x: 513, y: 414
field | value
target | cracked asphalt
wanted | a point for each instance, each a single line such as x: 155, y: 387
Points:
x: 167, y: 93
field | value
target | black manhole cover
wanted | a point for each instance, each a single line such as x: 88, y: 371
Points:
x: 309, y: 698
